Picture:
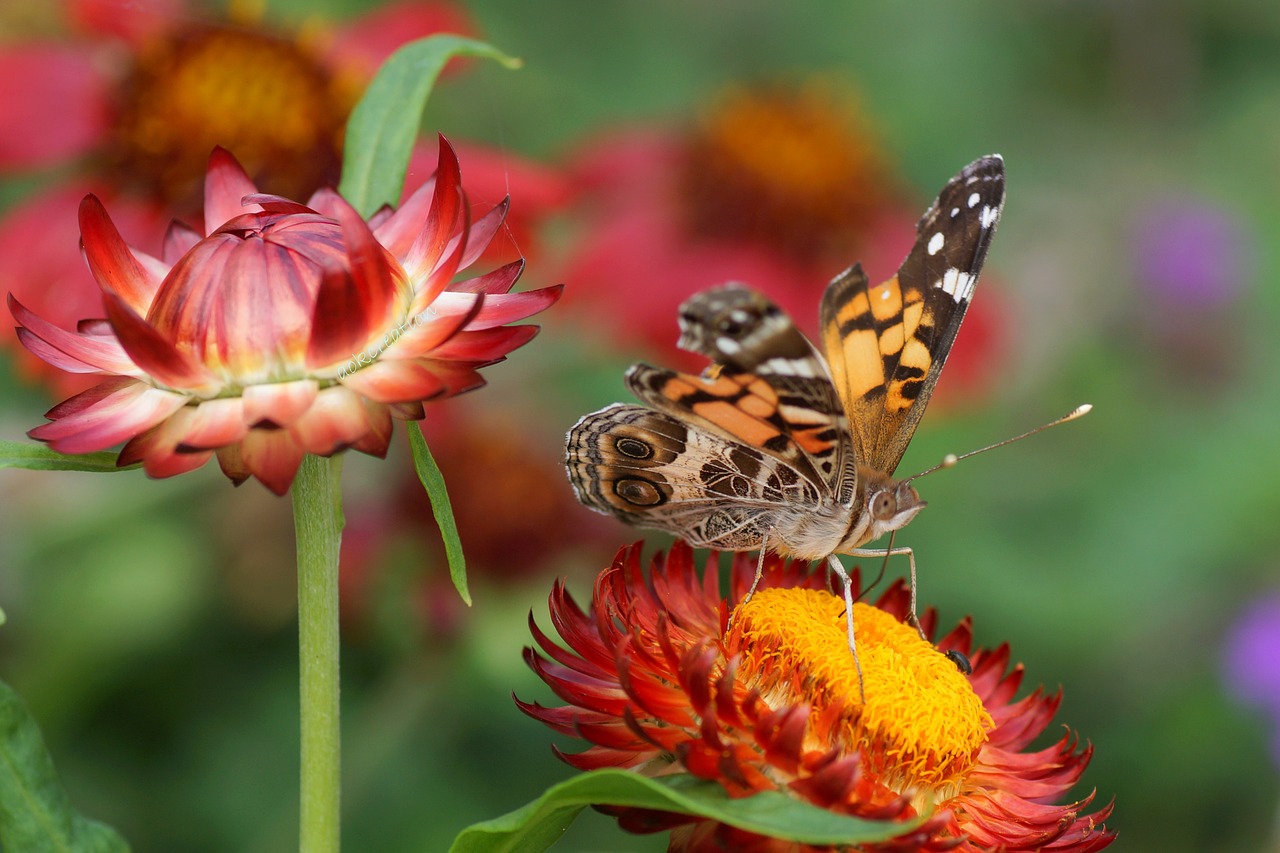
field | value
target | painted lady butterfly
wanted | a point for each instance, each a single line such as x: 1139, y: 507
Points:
x: 773, y: 446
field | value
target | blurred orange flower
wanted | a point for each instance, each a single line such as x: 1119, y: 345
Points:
x: 284, y: 329
x: 655, y: 681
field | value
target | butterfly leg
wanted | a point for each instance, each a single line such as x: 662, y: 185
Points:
x: 764, y: 549
x: 911, y: 558
x: 833, y: 563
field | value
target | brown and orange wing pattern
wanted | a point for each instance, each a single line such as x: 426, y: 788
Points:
x: 886, y: 345
x: 656, y: 470
x: 746, y: 452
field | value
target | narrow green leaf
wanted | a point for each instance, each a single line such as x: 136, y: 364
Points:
x: 35, y: 813
x: 537, y: 825
x: 384, y: 124
x: 433, y: 482
x: 38, y: 457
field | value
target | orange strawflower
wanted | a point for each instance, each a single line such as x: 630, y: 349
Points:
x: 656, y: 683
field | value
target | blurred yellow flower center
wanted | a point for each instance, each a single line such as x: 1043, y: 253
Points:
x: 788, y: 165
x: 265, y: 99
x: 921, y: 726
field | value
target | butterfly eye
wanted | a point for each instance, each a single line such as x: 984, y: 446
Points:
x: 884, y: 506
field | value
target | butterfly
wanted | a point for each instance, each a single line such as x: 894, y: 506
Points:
x: 781, y: 447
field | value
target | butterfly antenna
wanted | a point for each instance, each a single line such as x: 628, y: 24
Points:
x: 951, y: 459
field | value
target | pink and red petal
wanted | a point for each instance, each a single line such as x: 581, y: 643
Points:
x: 502, y: 308
x: 272, y: 456
x: 159, y: 449
x: 447, y: 316
x: 279, y: 403
x: 335, y: 421
x: 125, y: 413
x: 485, y: 344
x: 339, y: 329
x: 225, y: 187
x: 213, y: 424
x: 426, y: 256
x: 112, y: 263
x: 70, y: 351
x: 153, y: 353
x: 497, y: 281
x: 394, y: 381
x: 377, y: 437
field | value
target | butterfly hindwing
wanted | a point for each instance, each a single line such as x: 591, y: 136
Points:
x: 767, y: 385
x: 656, y: 470
x: 886, y: 345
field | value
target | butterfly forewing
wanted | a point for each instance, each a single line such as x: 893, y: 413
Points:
x: 886, y: 345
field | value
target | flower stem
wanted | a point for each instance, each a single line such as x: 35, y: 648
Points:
x: 317, y: 518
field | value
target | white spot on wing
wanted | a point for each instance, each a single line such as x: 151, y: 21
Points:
x: 935, y: 243
x: 974, y: 198
x: 954, y: 212
x: 958, y: 284
x: 791, y: 367
x: 728, y: 345
x: 988, y: 216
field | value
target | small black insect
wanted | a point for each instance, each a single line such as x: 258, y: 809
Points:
x: 961, y: 660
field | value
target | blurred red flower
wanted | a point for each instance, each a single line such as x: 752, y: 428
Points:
x: 777, y: 187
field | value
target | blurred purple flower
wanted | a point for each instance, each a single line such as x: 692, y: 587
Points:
x: 1192, y: 252
x: 1252, y: 661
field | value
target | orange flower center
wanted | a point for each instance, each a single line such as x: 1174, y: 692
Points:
x: 790, y: 167
x: 921, y: 726
x: 266, y: 100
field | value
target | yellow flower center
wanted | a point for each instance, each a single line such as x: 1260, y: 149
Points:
x: 921, y: 726
x: 265, y: 99
x: 789, y: 166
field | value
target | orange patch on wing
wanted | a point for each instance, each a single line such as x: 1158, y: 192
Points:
x: 678, y: 387
x: 736, y: 422
x: 892, y: 340
x: 861, y: 365
x: 912, y: 313
x: 886, y: 300
x: 810, y: 442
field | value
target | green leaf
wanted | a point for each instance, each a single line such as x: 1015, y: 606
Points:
x: 384, y: 124
x: 38, y: 457
x: 433, y: 482
x: 537, y: 825
x: 35, y: 813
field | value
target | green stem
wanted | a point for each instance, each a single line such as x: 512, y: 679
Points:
x: 317, y: 518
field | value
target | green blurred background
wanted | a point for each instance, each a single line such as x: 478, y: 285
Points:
x: 150, y: 623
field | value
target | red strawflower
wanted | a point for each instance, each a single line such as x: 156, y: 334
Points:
x: 777, y: 187
x: 658, y: 683
x: 130, y: 98
x: 285, y: 329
